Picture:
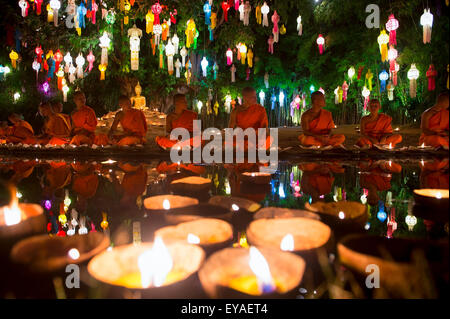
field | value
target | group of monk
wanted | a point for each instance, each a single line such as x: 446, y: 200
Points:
x: 79, y: 127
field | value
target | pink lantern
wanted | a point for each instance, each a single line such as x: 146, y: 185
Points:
x: 156, y: 9
x: 24, y: 5
x: 320, y: 42
x: 275, y: 30
x: 94, y: 11
x: 391, y: 26
x: 229, y: 55
x: 431, y: 75
x: 90, y: 58
x: 392, y: 55
x: 38, y: 6
x: 270, y: 42
x: 344, y: 90
x: 236, y: 5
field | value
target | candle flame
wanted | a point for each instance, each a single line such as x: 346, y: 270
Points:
x: 235, y: 207
x: 74, y: 254
x: 12, y: 214
x: 341, y: 215
x: 110, y: 161
x: 155, y: 264
x: 258, y: 264
x: 423, y: 145
x: 166, y: 204
x: 390, y: 145
x: 287, y: 243
x: 192, y: 239
x: 438, y: 195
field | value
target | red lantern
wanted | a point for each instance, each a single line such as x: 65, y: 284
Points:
x: 90, y: 58
x: 225, y: 8
x: 58, y: 57
x: 431, y: 75
x: 391, y: 26
x: 360, y: 69
x: 156, y: 9
x: 38, y: 6
x: 320, y: 42
x: 39, y: 53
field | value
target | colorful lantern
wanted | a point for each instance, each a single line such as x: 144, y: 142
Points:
x: 320, y: 42
x: 24, y: 5
x: 94, y: 10
x: 90, y: 58
x: 102, y: 69
x: 60, y: 75
x: 55, y: 5
x: 204, y: 63
x: 39, y: 53
x: 299, y: 25
x: 156, y: 9
x: 275, y: 30
x: 58, y: 58
x: 207, y: 11
x: 369, y: 77
x: 431, y: 75
x: 426, y: 20
x: 135, y: 35
x: 80, y: 63
x: 183, y: 53
x: 344, y: 90
x: 36, y: 66
x: 38, y: 6
x: 336, y: 95
x: 247, y: 10
x: 383, y: 76
x: 351, y: 73
x: 213, y: 20
x: 392, y: 26
x: 225, y: 8
x: 67, y: 61
x: 165, y: 30
x: 366, y: 95
x: 270, y: 42
x: 72, y: 71
x: 250, y: 58
x: 149, y: 19
x: 170, y: 51
x: 390, y: 91
x: 394, y: 73
x: 157, y: 31
x: 383, y: 40
x: 243, y: 52
x: 392, y: 55
x: 177, y: 68
x: 241, y: 12
x: 161, y: 55
x: 216, y: 70
x: 266, y: 80
x: 127, y: 9
x: 13, y: 56
x: 262, y: 97
x: 258, y: 14
x: 104, y: 44
x: 229, y: 55
x: 81, y: 11
x: 413, y: 75
x: 49, y: 13
x: 265, y: 11
x: 65, y: 89
x: 190, y: 32
x: 233, y: 73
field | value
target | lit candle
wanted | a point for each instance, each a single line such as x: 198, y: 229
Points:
x: 192, y: 239
x: 287, y: 243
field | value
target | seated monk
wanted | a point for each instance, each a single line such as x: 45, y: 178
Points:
x: 317, y: 179
x: 57, y: 176
x: 133, y: 123
x: 56, y: 128
x: 376, y: 128
x: 180, y: 118
x: 317, y: 124
x: 20, y: 132
x: 133, y: 184
x: 57, y: 108
x: 250, y: 115
x: 85, y: 181
x: 434, y: 174
x: 435, y: 124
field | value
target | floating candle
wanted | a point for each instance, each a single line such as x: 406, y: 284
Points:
x: 166, y: 204
x: 192, y: 239
x: 74, y: 254
x: 287, y: 243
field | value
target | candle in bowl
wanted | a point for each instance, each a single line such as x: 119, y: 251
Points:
x: 209, y: 233
x: 250, y: 273
x: 256, y: 177
x: 46, y: 254
x: 340, y: 213
x: 279, y: 212
x: 434, y: 199
x: 308, y: 233
x: 191, y: 185
x: 155, y: 269
x: 235, y: 203
x: 168, y: 202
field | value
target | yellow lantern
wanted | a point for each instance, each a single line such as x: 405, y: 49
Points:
x: 102, y: 69
x: 282, y: 29
x: 383, y: 40
x: 149, y: 19
x: 250, y: 58
x: 49, y: 13
x: 13, y: 56
x: 213, y: 20
x: 190, y: 32
x: 258, y: 14
x: 243, y: 52
x: 127, y: 8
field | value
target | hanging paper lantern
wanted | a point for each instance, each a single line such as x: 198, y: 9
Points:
x: 241, y: 12
x: 72, y: 71
x: 135, y: 35
x: 413, y: 75
x: 170, y: 51
x: 390, y: 90
x: 65, y: 89
x: 127, y: 9
x: 281, y: 98
x: 165, y: 30
x: 225, y: 8
x: 258, y: 14
x: 81, y: 14
x: 207, y: 11
x: 161, y: 55
x: 229, y: 55
x: 282, y: 29
x: 60, y: 75
x: 366, y: 95
x: 426, y: 20
x: 340, y: 94
x: 55, y: 5
x: 431, y: 75
x: 102, y: 69
x: 94, y: 10
x: 266, y: 80
x: 177, y: 68
x: 320, y: 42
x: 216, y: 70
x: 233, y: 73
x: 392, y: 26
x: 369, y: 77
x: 111, y: 17
x: 80, y: 63
x: 392, y: 55
x: 265, y: 11
x: 173, y: 20
x: 157, y: 31
x: 67, y: 61
x: 38, y: 6
x: 149, y: 19
x: 394, y: 73
x: 58, y: 58
x: 49, y: 13
x: 383, y: 40
x: 24, y: 5
x: 90, y: 58
x: 247, y: 10
x: 299, y: 25
x: 273, y: 100
x: 104, y: 44
x: 204, y: 63
x: 262, y: 97
x: 344, y: 90
x: 36, y: 66
x: 190, y: 32
x: 13, y: 56
x: 175, y: 42
x: 156, y: 9
x: 383, y: 76
x: 39, y: 53
x: 336, y: 95
x: 243, y: 52
x: 351, y: 73
x: 275, y: 30
x: 270, y: 42
x: 183, y: 54
x: 250, y: 58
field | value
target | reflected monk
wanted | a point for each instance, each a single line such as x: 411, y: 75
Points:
x: 317, y: 124
x: 250, y: 191
x: 435, y: 123
x: 317, y: 179
x: 164, y: 168
x: 180, y: 118
x: 3, y: 131
x: 20, y: 132
x: 250, y: 115
x: 84, y: 121
x: 57, y: 176
x: 434, y: 174
x: 56, y: 127
x: 133, y: 123
x: 134, y: 182
x: 376, y: 128
x: 85, y: 180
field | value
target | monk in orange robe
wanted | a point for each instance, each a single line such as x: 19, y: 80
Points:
x: 435, y: 123
x: 180, y: 118
x: 164, y: 168
x: 317, y: 124
x: 57, y: 176
x: 134, y: 182
x: 250, y: 191
x: 84, y: 121
x: 22, y: 170
x: 250, y: 115
x: 434, y: 174
x: 317, y: 179
x: 20, y: 132
x: 376, y: 128
x: 85, y: 180
x: 133, y: 123
x: 56, y: 128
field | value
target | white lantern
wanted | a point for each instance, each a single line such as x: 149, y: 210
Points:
x: 104, y: 44
x: 336, y: 95
x: 299, y: 25
x: 227, y: 103
x: 390, y: 91
x: 281, y: 98
x: 65, y: 89
x: 265, y: 11
x: 233, y: 73
x: 135, y: 35
x: 204, y: 65
x: 36, y: 66
x: 177, y: 68
x: 351, y: 73
x: 411, y: 221
x: 72, y: 71
x: 262, y: 97
x: 170, y: 51
x: 199, y: 106
x: 247, y: 10
x: 157, y: 31
x: 55, y: 5
x: 80, y: 63
x: 68, y: 61
x: 183, y: 54
x: 176, y: 42
x: 241, y: 12
x: 366, y: 94
x: 413, y: 75
x: 23, y: 4
x: 426, y: 20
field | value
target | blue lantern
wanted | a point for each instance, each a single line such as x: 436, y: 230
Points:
x: 384, y: 76
x: 207, y: 11
x: 381, y: 215
x: 312, y: 88
x: 273, y: 99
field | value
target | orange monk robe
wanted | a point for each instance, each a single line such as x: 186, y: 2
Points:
x: 255, y: 117
x: 20, y: 132
x: 85, y: 184
x: 437, y: 122
x: 57, y: 176
x: 84, y: 123
x: 322, y: 125
x: 434, y: 174
x: 58, y: 127
x: 134, y: 125
x: 378, y: 129
x: 317, y: 180
x: 22, y: 169
x: 133, y: 183
x: 185, y: 120
x: 164, y: 167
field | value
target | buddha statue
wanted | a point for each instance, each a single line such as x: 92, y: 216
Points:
x: 138, y: 101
